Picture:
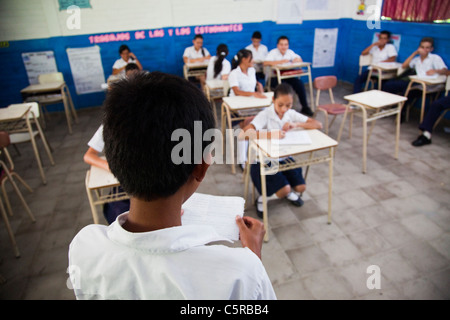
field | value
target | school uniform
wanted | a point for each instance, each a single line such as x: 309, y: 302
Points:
x: 259, y: 54
x: 268, y: 119
x: 120, y: 63
x: 378, y: 55
x: 245, y: 82
x: 296, y: 83
x: 226, y: 69
x: 191, y: 53
x: 109, y: 262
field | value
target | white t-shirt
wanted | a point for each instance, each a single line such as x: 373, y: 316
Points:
x: 108, y: 262
x: 120, y: 63
x: 96, y: 141
x: 191, y: 53
x: 245, y: 82
x: 268, y: 119
x: 226, y: 68
x: 276, y: 55
x: 431, y: 62
x: 380, y: 55
x: 258, y: 54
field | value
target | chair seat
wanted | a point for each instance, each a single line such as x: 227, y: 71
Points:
x: 333, y: 108
x: 291, y: 72
x: 45, y: 99
x: 21, y: 137
x: 430, y: 88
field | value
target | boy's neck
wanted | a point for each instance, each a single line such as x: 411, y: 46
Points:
x: 145, y: 216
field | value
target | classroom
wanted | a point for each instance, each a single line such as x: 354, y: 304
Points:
x: 334, y: 149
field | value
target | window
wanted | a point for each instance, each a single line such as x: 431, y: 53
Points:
x: 437, y: 11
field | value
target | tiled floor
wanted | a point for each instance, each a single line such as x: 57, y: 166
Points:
x: 396, y: 216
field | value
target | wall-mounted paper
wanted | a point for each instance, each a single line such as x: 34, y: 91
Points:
x: 37, y: 63
x: 325, y: 41
x: 87, y: 69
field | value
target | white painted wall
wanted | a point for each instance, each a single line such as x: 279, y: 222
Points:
x: 33, y: 19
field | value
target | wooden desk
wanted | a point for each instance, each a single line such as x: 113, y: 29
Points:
x: 375, y: 104
x: 195, y: 69
x: 424, y: 82
x: 99, y: 182
x: 239, y: 108
x: 384, y: 71
x: 295, y: 66
x: 60, y: 87
x: 16, y: 118
x: 269, y: 150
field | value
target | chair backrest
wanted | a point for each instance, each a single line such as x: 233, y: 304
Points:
x: 325, y: 82
x: 4, y: 139
x: 50, y: 77
x: 34, y: 108
x: 447, y: 86
x: 364, y: 61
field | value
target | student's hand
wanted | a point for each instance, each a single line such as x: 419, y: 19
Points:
x: 133, y: 56
x: 421, y: 52
x: 277, y: 134
x: 251, y: 233
x: 259, y: 95
x: 288, y: 126
x: 431, y: 72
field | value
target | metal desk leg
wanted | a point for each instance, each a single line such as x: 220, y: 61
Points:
x: 66, y: 109
x: 264, y: 196
x: 330, y: 183
x: 91, y: 200
x: 397, y: 129
x: 311, y: 89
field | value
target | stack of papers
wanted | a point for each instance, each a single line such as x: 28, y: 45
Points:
x: 295, y: 137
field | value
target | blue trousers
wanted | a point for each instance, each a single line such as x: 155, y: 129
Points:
x: 434, y: 112
x: 298, y: 87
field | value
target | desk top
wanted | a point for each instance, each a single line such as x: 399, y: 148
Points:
x: 213, y: 84
x: 101, y: 178
x: 387, y: 66
x: 274, y: 150
x: 197, y: 65
x: 44, y: 87
x: 375, y: 98
x: 241, y: 102
x: 430, y: 80
x: 291, y: 65
x: 14, y: 112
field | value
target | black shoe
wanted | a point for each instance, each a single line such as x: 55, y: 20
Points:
x: 298, y: 203
x: 421, y: 141
x: 258, y: 212
x: 307, y: 112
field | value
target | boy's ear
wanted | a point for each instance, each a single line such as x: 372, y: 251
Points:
x: 199, y: 172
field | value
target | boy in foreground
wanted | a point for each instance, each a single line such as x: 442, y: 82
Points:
x: 146, y: 253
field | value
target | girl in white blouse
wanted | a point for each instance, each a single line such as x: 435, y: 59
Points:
x: 219, y: 67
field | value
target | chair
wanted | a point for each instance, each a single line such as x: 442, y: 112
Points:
x: 334, y: 109
x: 447, y: 89
x: 7, y: 174
x: 365, y: 61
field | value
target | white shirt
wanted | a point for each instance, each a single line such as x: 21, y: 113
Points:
x: 258, y: 54
x: 226, y: 68
x: 96, y: 141
x: 191, y: 53
x: 120, y: 63
x: 379, y: 55
x: 276, y: 55
x: 268, y: 119
x: 245, y: 82
x: 432, y: 61
x: 108, y: 262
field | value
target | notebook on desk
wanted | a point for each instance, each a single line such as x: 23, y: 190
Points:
x: 217, y: 211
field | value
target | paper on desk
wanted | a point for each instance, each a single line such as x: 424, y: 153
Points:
x: 217, y: 211
x: 295, y: 137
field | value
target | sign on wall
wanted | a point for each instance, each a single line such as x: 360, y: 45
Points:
x: 325, y: 41
x: 87, y: 69
x: 37, y: 63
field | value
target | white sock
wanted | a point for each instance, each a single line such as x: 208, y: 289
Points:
x: 272, y: 197
x: 292, y: 196
x: 427, y: 134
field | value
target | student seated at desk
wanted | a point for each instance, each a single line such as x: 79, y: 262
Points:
x: 282, y: 55
x: 219, y: 67
x: 277, y: 119
x: 259, y: 52
x: 381, y: 51
x: 147, y: 253
x: 425, y: 64
x: 197, y: 53
x: 126, y: 57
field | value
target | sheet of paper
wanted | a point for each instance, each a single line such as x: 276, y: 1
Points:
x: 289, y: 12
x: 295, y: 137
x: 37, y: 63
x: 325, y: 41
x: 217, y: 211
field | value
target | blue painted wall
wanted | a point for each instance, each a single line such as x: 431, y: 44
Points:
x: 165, y: 54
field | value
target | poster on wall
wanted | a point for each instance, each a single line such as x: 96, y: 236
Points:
x: 325, y: 41
x: 87, y: 69
x: 289, y: 12
x: 37, y: 63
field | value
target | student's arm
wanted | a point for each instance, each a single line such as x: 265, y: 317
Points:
x: 250, y: 132
x: 366, y: 51
x: 117, y: 71
x: 239, y: 92
x: 136, y: 60
x: 390, y: 59
x: 91, y: 157
x: 274, y: 63
x: 309, y: 124
x: 443, y: 72
x: 405, y: 64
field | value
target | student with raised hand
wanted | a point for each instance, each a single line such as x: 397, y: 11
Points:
x: 147, y: 253
x: 219, y: 67
x: 277, y: 120
x: 126, y: 57
x: 259, y: 52
x: 282, y: 55
x: 381, y: 51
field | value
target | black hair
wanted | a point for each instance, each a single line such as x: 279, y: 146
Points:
x: 428, y: 39
x: 131, y: 66
x: 221, y: 53
x: 199, y: 36
x: 282, y: 38
x: 257, y: 35
x: 123, y: 48
x: 243, y: 53
x: 388, y: 33
x: 283, y: 89
x: 140, y: 115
